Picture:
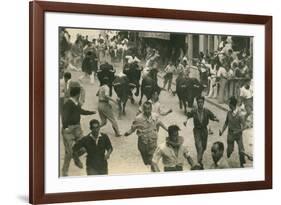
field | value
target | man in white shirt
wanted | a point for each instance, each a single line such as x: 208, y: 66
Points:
x: 213, y: 84
x: 172, y: 152
x: 146, y: 125
x: 222, y: 76
x: 168, y: 77
x: 246, y: 97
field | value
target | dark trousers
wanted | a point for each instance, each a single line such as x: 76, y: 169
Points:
x: 96, y: 171
x: 147, y: 149
x: 61, y: 102
x: 231, y: 138
x: 172, y: 169
x: 201, y: 138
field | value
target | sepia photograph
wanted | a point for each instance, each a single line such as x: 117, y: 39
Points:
x: 142, y: 102
x: 129, y: 102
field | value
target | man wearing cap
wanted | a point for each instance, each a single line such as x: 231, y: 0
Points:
x: 172, y: 152
x: 201, y: 117
x: 98, y: 148
x: 146, y: 125
x: 71, y: 130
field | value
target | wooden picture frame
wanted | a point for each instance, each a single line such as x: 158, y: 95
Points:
x: 37, y: 10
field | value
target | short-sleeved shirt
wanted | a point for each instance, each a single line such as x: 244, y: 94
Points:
x: 201, y: 119
x: 146, y: 127
x: 246, y: 93
x: 103, y: 93
x: 168, y: 155
x: 95, y: 149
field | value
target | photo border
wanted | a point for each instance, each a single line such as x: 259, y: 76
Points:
x: 37, y: 101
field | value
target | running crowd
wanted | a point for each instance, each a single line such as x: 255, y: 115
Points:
x: 94, y: 59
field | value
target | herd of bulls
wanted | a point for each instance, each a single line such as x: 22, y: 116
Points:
x: 123, y: 84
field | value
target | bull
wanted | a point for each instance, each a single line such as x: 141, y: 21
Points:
x: 106, y: 71
x: 122, y: 88
x: 149, y: 85
x: 133, y: 72
x: 187, y: 89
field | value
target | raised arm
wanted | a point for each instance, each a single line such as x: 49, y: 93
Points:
x: 212, y: 116
x: 132, y: 129
x: 86, y: 112
x: 161, y: 124
x: 189, y: 115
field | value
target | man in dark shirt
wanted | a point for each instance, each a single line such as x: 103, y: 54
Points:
x: 98, y: 148
x: 235, y: 123
x: 201, y: 117
x: 71, y: 128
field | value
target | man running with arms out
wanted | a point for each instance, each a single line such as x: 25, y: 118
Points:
x: 71, y: 130
x: 172, y: 152
x: 146, y: 125
x: 235, y: 123
x: 201, y: 117
x: 105, y: 108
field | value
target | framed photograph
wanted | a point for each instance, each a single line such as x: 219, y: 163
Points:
x: 139, y: 102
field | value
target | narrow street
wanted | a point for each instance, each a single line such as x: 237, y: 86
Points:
x: 125, y: 158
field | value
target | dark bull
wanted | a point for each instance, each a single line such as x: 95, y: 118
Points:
x: 187, y: 89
